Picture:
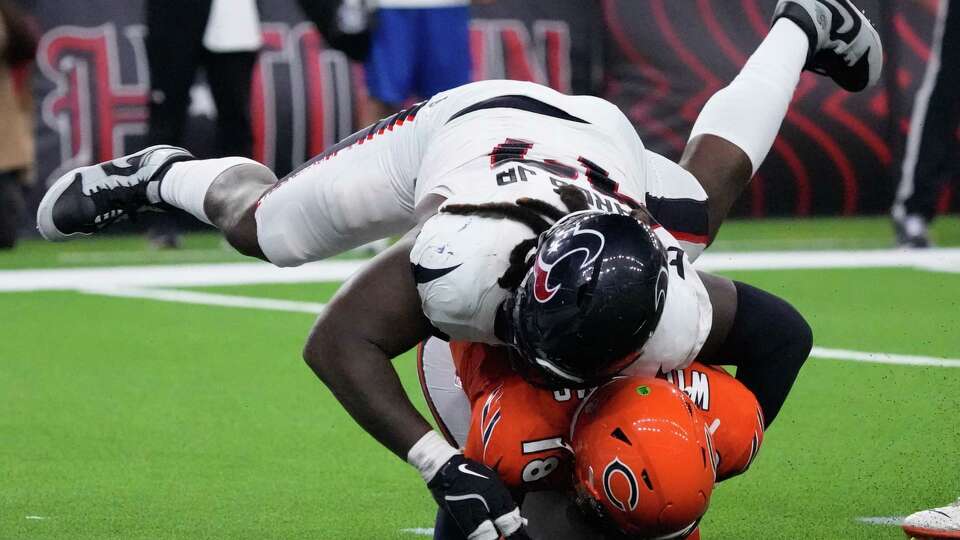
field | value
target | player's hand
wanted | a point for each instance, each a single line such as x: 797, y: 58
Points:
x: 478, y: 501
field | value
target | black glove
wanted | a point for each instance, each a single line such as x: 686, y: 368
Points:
x: 477, y: 500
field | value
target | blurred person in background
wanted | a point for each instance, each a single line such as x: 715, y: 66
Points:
x: 18, y: 45
x: 418, y: 48
x: 223, y: 37
x: 931, y: 149
x: 344, y: 24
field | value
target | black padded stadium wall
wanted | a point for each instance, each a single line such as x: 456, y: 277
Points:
x: 659, y: 60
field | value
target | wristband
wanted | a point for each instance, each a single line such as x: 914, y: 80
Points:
x: 429, y: 454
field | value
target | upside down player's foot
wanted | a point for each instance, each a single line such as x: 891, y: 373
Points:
x: 87, y: 199
x: 844, y: 45
x: 935, y: 523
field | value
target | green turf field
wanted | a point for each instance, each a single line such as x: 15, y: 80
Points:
x: 134, y: 418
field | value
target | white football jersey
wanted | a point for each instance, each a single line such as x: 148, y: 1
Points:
x: 491, y: 141
x: 528, y: 148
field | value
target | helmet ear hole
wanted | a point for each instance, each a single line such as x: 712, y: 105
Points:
x: 619, y: 434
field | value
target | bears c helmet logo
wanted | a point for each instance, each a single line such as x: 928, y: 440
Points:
x: 585, y: 242
x: 618, y: 467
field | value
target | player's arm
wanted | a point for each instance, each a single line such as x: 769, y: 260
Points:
x: 373, y: 318
x: 761, y: 334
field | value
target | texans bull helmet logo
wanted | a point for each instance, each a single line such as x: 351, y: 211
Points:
x: 585, y: 243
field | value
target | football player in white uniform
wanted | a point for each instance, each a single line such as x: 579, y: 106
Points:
x: 468, y: 177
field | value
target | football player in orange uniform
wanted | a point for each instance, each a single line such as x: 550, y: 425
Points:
x: 524, y: 432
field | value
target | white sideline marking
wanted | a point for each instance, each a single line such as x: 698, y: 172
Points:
x: 225, y: 300
x: 172, y: 256
x: 175, y: 275
x: 209, y: 299
x: 35, y: 517
x: 890, y: 521
x: 419, y: 531
x: 884, y: 358
x: 938, y: 260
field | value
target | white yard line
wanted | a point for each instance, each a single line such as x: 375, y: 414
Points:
x: 890, y: 521
x: 883, y: 358
x: 419, y: 531
x: 208, y: 299
x: 939, y: 260
x: 226, y: 300
x: 169, y: 256
x: 181, y: 275
x: 133, y: 282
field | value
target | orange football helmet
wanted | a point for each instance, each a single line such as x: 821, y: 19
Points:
x: 644, y: 458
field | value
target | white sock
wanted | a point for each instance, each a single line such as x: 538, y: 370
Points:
x: 750, y: 110
x: 185, y: 185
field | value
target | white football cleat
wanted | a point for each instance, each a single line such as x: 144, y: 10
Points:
x: 941, y: 522
x: 844, y: 45
x: 87, y: 199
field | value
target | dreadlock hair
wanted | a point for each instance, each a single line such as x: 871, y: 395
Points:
x: 536, y: 214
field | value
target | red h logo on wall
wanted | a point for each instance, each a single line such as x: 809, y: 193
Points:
x: 91, y: 107
x: 301, y: 97
x: 503, y: 49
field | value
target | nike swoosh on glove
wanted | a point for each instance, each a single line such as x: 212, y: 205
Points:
x: 477, y: 500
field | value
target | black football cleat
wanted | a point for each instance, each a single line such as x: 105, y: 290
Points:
x: 844, y: 45
x: 87, y: 199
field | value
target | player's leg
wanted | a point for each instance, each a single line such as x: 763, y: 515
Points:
x: 359, y: 190
x: 444, y: 50
x: 229, y: 75
x: 172, y: 59
x: 931, y: 144
x: 221, y: 192
x: 12, y: 203
x: 737, y: 126
x: 174, y: 50
x: 392, y: 62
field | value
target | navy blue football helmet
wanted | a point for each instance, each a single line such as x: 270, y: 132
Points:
x: 590, y: 301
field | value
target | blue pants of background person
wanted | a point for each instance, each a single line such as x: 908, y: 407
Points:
x: 418, y: 52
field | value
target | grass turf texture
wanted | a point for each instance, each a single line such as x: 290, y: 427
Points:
x: 129, y: 418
